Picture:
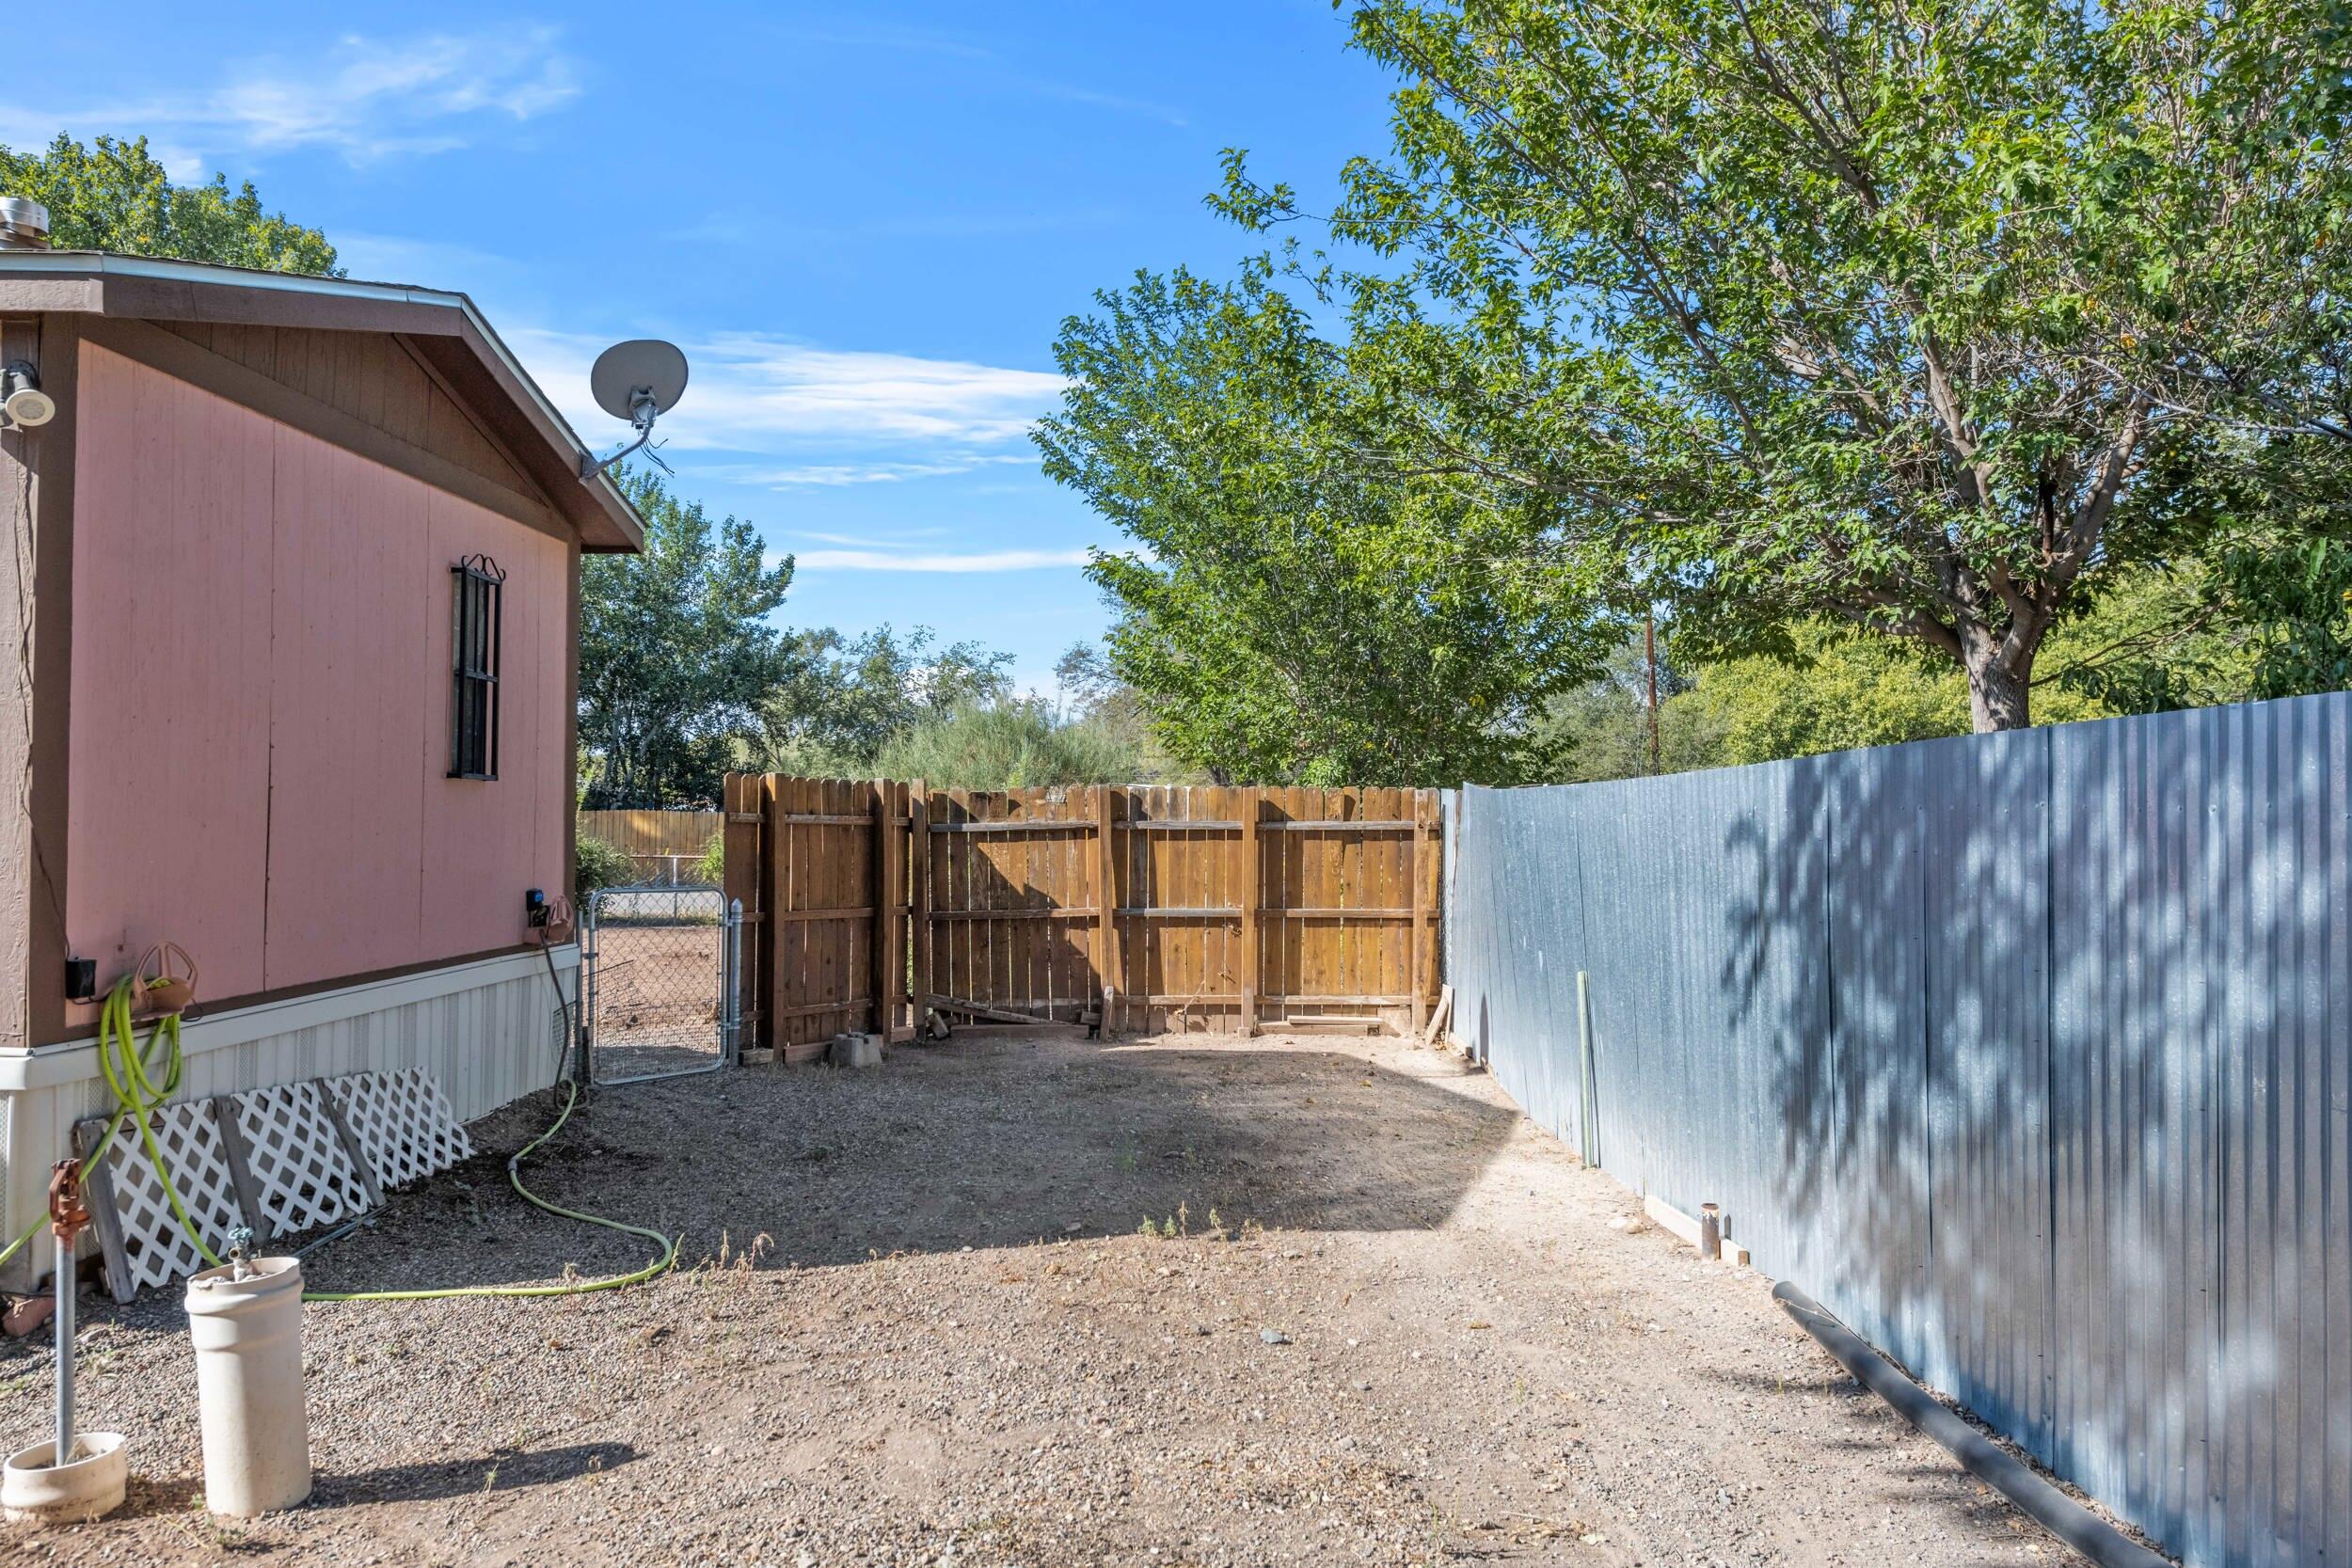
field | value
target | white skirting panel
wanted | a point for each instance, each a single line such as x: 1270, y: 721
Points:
x: 485, y: 1030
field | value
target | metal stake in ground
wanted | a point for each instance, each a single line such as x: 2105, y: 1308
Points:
x: 68, y: 1214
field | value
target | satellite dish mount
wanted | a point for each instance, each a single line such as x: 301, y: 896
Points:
x: 639, y: 380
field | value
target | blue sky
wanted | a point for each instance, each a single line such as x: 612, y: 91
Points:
x: 862, y: 222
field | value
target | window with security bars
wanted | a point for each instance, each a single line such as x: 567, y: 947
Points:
x: 474, y: 628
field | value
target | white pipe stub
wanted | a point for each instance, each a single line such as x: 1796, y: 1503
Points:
x: 89, y: 1486
x: 245, y: 1321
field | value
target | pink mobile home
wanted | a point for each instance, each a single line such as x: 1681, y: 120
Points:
x: 296, y: 571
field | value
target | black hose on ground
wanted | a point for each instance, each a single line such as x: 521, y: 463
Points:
x: 1982, y: 1457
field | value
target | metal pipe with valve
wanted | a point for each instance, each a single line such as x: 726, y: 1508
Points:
x: 74, y: 1476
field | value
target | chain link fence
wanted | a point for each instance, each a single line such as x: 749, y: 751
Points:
x: 659, y: 962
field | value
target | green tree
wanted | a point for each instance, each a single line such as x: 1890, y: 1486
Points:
x: 675, y: 652
x: 2257, y: 608
x: 1007, y: 745
x: 1293, y: 613
x: 113, y: 196
x: 1874, y: 313
x: 1833, y: 691
x: 1090, y: 691
x: 1601, y: 730
x: 840, y: 700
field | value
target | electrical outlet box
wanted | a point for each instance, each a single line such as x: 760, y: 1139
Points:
x: 81, y: 979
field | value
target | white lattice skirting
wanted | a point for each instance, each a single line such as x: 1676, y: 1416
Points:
x: 403, y: 1121
x: 148, y: 1246
x: 281, y: 1160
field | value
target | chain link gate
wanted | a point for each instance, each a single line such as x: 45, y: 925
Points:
x: 659, y: 965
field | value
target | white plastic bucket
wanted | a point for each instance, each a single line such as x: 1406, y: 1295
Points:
x: 248, y: 1385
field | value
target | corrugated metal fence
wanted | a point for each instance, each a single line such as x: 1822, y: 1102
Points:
x: 2025, y: 1053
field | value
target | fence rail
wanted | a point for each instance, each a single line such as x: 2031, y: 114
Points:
x: 1170, y: 907
x: 2025, y: 1053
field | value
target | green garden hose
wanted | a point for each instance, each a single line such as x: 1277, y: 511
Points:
x: 141, y: 1083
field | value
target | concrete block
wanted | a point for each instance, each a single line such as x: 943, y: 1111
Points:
x: 856, y: 1049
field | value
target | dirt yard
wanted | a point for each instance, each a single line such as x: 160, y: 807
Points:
x: 923, y: 1323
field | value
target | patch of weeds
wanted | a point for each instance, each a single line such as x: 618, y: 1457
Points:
x: 1175, y: 1225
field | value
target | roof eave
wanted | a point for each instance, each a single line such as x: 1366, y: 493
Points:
x: 446, y: 326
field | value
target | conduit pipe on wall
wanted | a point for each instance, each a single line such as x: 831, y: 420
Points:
x: 2076, y: 1525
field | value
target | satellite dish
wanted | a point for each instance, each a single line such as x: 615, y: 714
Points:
x: 640, y: 367
x: 639, y: 380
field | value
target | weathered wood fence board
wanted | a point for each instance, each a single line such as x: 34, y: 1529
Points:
x: 1206, y: 908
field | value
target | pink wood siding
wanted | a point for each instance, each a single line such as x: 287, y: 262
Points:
x: 167, y: 790
x: 347, y: 727
x: 260, y: 696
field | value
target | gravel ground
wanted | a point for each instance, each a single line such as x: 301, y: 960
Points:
x: 1380, y: 1318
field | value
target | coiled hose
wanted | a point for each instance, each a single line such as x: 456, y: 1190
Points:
x: 144, y: 1075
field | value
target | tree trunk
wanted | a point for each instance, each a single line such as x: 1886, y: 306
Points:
x: 1998, y: 696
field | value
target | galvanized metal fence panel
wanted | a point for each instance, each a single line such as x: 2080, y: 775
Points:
x: 2027, y: 1054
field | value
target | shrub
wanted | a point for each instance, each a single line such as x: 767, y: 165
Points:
x: 599, y: 865
x: 1011, y: 745
x: 712, y: 868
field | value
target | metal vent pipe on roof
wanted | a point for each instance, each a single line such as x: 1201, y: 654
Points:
x: 23, y: 224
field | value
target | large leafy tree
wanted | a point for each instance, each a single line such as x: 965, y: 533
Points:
x: 1291, y: 613
x: 1875, y: 311
x: 113, y: 196
x: 676, y: 652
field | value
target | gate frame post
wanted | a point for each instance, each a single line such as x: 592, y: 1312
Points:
x: 1105, y: 913
x: 731, y: 983
x: 919, y: 900
x: 1252, y: 874
x: 584, y: 995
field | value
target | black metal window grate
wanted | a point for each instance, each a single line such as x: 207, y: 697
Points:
x: 476, y: 621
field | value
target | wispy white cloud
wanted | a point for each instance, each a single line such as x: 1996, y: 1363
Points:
x: 753, y: 393
x: 942, y: 560
x: 365, y: 98
x: 994, y: 70
x: 896, y: 536
x: 881, y: 471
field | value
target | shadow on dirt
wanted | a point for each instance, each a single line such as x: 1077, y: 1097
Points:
x: 505, y: 1470
x: 998, y: 1137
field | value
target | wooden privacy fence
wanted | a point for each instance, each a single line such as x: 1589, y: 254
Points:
x: 868, y: 903
x: 652, y: 832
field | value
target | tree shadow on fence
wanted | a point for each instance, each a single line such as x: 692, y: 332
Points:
x: 2075, y: 1113
x: 2023, y: 1052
